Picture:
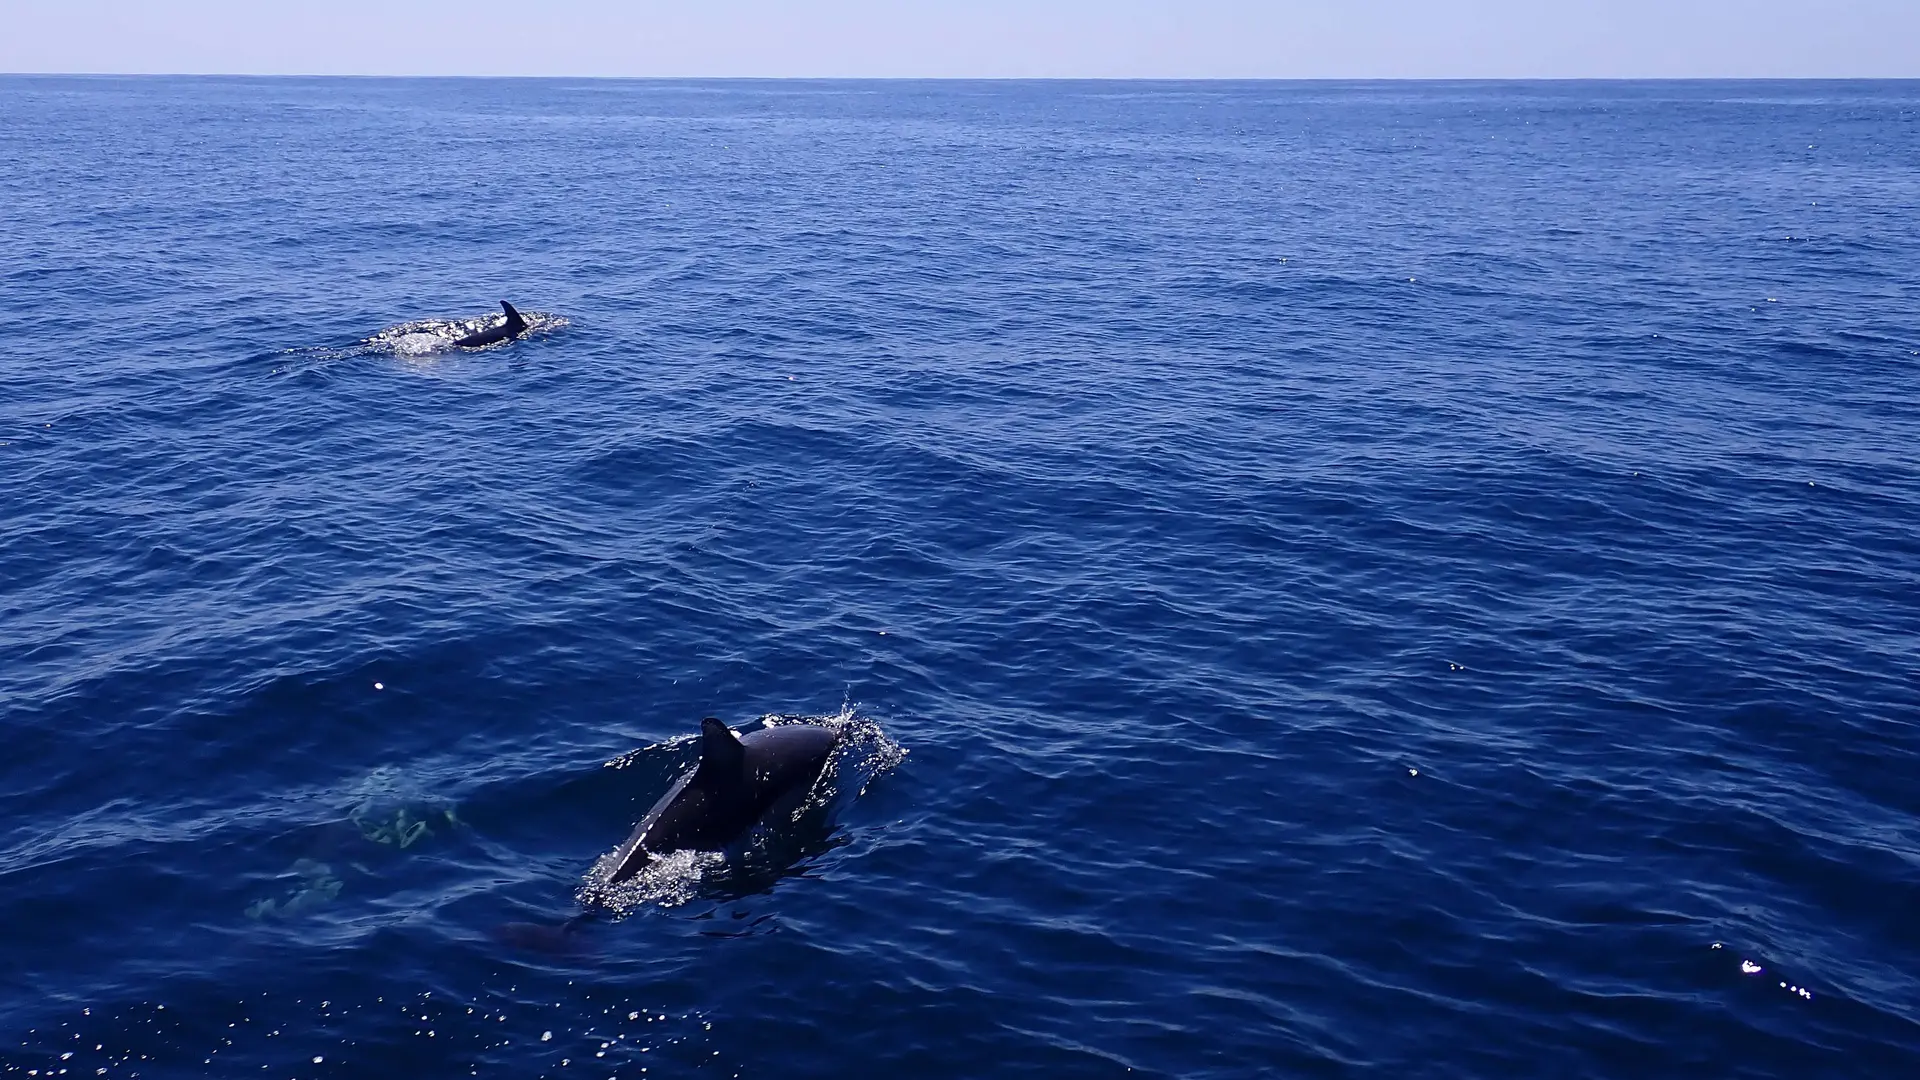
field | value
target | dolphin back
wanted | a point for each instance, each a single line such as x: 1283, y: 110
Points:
x: 738, y: 781
x: 512, y: 328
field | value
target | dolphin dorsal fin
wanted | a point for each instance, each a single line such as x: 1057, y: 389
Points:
x: 722, y: 758
x: 513, y: 317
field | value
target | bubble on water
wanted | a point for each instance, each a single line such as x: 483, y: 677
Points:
x: 667, y: 881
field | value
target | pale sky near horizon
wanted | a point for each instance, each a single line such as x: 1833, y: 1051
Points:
x: 1283, y: 39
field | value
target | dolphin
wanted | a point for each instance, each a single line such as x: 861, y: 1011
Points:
x: 506, y: 331
x: 740, y: 781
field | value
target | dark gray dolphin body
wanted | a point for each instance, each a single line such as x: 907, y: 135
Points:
x: 738, y: 782
x: 512, y: 328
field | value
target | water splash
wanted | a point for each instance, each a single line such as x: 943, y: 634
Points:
x: 864, y: 753
x: 426, y: 337
x: 421, y: 342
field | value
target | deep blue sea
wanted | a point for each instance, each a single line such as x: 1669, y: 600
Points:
x: 1323, y: 580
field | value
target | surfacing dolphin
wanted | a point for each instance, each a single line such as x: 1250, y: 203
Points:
x: 740, y: 781
x: 506, y: 331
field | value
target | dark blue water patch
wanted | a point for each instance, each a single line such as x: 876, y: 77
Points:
x: 1371, y: 576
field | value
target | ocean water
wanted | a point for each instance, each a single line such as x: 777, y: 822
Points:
x: 1326, y: 580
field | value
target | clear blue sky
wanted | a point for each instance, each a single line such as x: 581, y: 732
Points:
x: 973, y: 38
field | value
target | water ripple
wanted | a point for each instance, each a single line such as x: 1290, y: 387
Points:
x: 1373, y: 577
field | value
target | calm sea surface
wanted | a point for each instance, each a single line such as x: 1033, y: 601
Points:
x: 1328, y: 580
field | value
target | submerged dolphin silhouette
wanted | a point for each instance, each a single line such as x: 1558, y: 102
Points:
x: 506, y: 331
x: 740, y: 781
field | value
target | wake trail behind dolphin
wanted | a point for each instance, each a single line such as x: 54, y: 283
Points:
x: 420, y: 341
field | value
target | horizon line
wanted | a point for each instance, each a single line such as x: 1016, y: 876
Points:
x: 968, y: 78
